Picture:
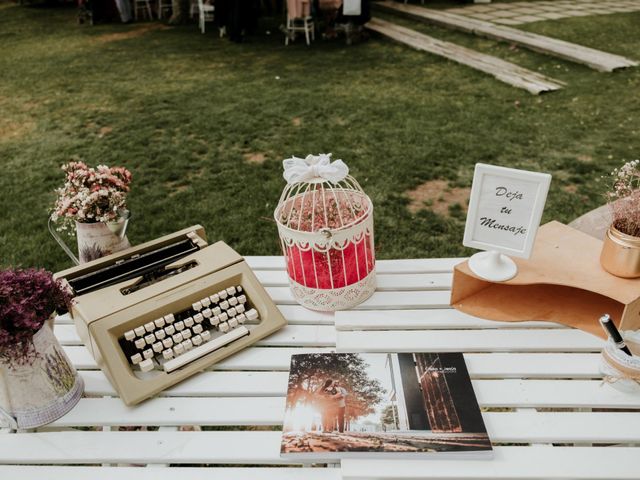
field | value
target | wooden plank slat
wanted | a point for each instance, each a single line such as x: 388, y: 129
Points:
x: 514, y: 340
x: 291, y: 335
x: 385, y: 282
x: 491, y: 393
x: 227, y: 447
x: 228, y: 384
x: 504, y: 71
x: 596, y: 59
x: 503, y: 427
x: 508, y: 463
x: 533, y: 365
x: 480, y: 365
x: 379, y: 300
x: 299, y: 315
x: 266, y: 262
x: 408, y: 300
x: 551, y: 394
x: 176, y: 411
x: 185, y: 473
x: 431, y: 319
x: 252, y: 447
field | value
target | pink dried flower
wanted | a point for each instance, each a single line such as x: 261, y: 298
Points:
x: 27, y: 300
x: 91, y: 194
x: 624, y: 198
x: 325, y: 209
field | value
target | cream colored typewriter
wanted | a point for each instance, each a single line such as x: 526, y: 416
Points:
x: 155, y: 314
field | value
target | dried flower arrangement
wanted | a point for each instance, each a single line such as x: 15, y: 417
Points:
x: 624, y: 198
x: 27, y: 299
x: 90, y: 194
x: 332, y: 210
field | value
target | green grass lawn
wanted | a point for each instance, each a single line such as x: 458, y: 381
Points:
x: 185, y: 111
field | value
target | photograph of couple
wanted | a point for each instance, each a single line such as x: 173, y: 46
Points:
x: 401, y: 403
x: 333, y: 405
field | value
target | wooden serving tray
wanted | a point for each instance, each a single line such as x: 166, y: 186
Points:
x: 562, y: 282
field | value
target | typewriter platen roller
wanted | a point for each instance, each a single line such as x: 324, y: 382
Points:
x: 155, y: 314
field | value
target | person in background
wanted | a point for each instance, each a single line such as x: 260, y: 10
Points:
x: 327, y: 405
x: 340, y: 398
x: 237, y: 17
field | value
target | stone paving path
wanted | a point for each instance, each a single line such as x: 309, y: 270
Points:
x: 517, y: 13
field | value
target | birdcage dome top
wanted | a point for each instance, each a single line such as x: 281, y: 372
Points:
x: 320, y: 196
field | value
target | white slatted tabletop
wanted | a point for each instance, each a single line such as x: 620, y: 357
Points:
x: 538, y: 384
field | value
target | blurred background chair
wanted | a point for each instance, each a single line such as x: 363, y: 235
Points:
x: 164, y: 6
x: 205, y: 14
x: 299, y: 19
x: 143, y: 6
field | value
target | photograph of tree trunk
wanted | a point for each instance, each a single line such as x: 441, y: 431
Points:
x: 340, y: 404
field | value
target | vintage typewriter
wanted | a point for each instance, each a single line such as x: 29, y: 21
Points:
x: 155, y: 314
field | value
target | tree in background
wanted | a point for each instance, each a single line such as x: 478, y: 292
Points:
x: 310, y: 371
x: 390, y: 416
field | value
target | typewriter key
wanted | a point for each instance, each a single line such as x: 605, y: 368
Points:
x: 146, y: 365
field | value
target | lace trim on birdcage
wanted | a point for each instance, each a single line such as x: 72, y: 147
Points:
x: 325, y: 240
x: 334, y: 298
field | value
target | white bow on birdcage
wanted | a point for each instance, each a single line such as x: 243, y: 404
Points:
x: 325, y: 222
x: 314, y: 167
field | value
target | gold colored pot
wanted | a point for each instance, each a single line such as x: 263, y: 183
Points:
x: 621, y: 254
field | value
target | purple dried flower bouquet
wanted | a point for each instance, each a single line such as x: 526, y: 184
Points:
x: 27, y: 299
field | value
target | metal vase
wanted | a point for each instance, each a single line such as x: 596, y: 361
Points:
x: 621, y: 254
x: 97, y: 239
x: 39, y: 393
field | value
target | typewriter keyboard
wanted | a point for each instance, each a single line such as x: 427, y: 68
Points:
x: 176, y: 339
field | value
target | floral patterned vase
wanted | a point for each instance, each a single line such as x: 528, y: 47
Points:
x: 96, y: 240
x: 37, y: 394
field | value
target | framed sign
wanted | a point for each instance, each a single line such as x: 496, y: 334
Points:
x: 505, y: 209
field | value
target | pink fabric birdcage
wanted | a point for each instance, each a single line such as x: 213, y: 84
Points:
x: 325, y: 222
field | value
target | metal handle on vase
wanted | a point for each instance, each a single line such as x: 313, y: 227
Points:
x: 60, y: 241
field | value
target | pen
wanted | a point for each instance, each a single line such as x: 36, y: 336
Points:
x: 614, y: 334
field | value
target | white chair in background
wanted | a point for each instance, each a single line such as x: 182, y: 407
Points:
x: 164, y: 6
x: 299, y: 19
x: 144, y: 6
x: 205, y: 14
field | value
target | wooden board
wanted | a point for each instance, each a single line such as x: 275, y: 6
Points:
x: 532, y: 463
x: 562, y: 282
x: 504, y: 71
x: 596, y: 59
x: 185, y: 473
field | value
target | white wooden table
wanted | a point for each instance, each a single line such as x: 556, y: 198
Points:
x: 520, y: 372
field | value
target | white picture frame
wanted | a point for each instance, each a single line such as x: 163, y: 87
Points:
x: 524, y: 197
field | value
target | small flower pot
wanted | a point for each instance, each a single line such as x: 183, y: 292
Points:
x: 621, y: 254
x: 96, y: 240
x: 39, y: 392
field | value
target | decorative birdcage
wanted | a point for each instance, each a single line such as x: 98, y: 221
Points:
x: 325, y: 222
